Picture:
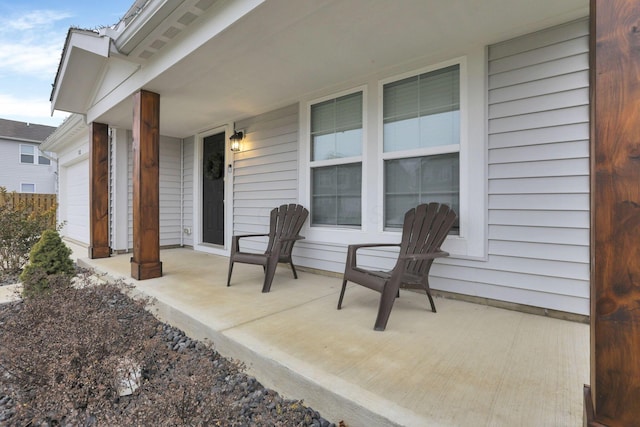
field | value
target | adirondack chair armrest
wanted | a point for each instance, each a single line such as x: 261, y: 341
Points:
x: 235, y: 244
x: 371, y: 245
x: 418, y: 257
x: 242, y: 236
x: 352, y: 249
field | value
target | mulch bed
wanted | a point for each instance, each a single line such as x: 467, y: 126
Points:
x: 64, y: 359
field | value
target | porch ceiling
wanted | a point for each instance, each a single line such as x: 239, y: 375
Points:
x: 283, y: 50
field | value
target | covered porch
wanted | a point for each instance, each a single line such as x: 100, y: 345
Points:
x: 467, y: 365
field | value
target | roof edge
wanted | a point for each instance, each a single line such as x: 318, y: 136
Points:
x: 62, y: 136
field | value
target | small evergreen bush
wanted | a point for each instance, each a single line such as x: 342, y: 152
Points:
x: 20, y: 228
x: 49, y: 265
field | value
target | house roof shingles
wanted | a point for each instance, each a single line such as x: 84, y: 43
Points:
x: 10, y: 129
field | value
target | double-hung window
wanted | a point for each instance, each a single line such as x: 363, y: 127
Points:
x: 28, y: 154
x: 421, y: 148
x: 336, y: 161
x: 32, y: 155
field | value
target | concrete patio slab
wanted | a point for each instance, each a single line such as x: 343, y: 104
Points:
x: 467, y: 365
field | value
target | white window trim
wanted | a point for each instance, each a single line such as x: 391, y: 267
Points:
x: 315, y: 231
x: 472, y: 242
x: 426, y: 151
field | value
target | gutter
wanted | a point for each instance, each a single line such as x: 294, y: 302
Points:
x: 61, y: 136
x: 143, y: 18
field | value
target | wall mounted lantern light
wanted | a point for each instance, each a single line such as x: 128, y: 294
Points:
x: 235, y: 140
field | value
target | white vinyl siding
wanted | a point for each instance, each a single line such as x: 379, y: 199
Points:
x: 537, y: 185
x: 538, y: 167
x: 14, y: 172
x: 170, y: 191
x: 265, y: 171
x: 118, y: 183
x: 130, y: 194
x: 187, y: 188
x: 170, y: 198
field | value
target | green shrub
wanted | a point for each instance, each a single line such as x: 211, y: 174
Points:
x: 20, y: 228
x: 49, y: 265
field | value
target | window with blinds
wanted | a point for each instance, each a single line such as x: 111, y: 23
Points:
x: 336, y: 161
x: 421, y: 131
x: 336, y: 128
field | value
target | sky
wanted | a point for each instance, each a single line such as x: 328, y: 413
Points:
x: 32, y: 36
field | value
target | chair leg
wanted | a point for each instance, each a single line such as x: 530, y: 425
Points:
x: 433, y: 306
x: 427, y: 288
x: 229, y: 276
x: 293, y: 268
x: 269, y: 272
x: 344, y: 286
x: 386, y: 304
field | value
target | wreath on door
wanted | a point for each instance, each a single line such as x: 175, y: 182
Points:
x: 214, y: 166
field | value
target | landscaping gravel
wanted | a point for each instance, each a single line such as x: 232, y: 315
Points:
x: 51, y: 374
x: 8, y: 279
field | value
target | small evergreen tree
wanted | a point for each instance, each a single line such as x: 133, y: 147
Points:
x: 49, y: 265
x: 20, y: 228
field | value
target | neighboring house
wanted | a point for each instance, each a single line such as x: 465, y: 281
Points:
x: 357, y: 109
x: 24, y: 168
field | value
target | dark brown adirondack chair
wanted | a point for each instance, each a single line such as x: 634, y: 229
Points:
x: 284, y: 228
x: 424, y: 230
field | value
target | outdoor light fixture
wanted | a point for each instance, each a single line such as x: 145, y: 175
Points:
x: 235, y: 140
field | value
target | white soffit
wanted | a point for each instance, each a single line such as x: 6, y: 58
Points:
x: 84, y: 57
x: 282, y: 51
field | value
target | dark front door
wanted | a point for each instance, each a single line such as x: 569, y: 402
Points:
x: 213, y: 166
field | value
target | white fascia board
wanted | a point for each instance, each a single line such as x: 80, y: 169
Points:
x: 65, y: 134
x: 218, y: 19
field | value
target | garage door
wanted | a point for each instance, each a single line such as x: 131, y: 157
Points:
x: 77, y: 192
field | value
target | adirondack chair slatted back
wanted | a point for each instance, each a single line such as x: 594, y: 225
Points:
x: 425, y: 229
x: 286, y: 223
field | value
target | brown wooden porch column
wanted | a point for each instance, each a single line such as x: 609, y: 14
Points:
x: 615, y: 214
x: 145, y: 263
x: 99, y: 192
